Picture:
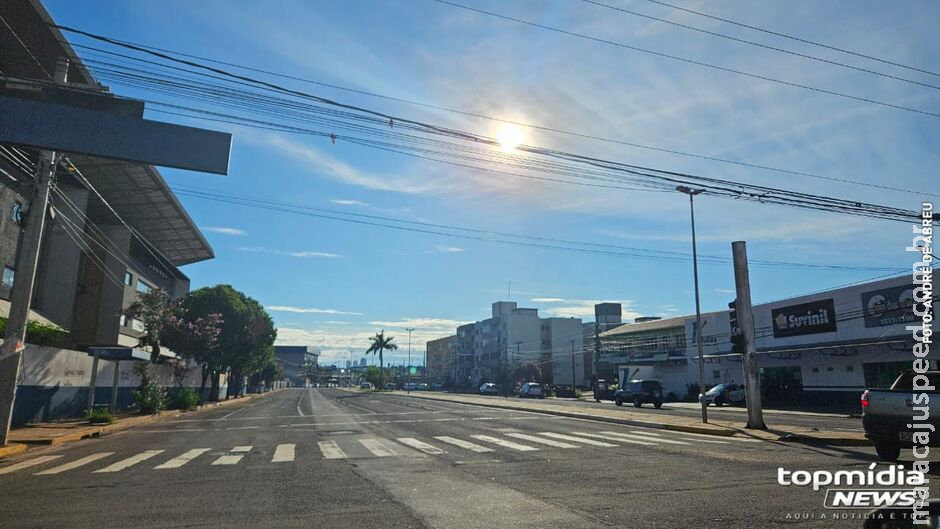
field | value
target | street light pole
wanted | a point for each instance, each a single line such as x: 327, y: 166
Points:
x: 409, y: 359
x: 698, y: 308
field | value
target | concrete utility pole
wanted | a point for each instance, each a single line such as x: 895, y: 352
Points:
x: 698, y: 307
x: 572, y: 365
x: 742, y: 285
x: 409, y: 358
x: 26, y: 262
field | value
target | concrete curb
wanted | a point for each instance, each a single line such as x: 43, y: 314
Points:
x: 122, y: 424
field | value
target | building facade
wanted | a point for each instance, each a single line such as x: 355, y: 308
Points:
x: 298, y: 363
x: 441, y: 356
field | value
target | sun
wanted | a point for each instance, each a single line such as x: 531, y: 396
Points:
x: 509, y: 137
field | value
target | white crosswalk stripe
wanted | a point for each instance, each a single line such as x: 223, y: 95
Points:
x: 130, y: 461
x: 505, y: 444
x: 377, y: 447
x: 28, y: 463
x: 283, y: 453
x: 540, y: 440
x: 182, y: 459
x: 649, y: 442
x: 575, y: 439
x: 74, y: 464
x: 466, y: 445
x: 234, y: 456
x: 705, y: 438
x: 331, y: 450
x: 421, y: 445
x: 657, y: 440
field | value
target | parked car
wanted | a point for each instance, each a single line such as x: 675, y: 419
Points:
x: 532, y: 390
x: 390, y: 386
x: 724, y: 394
x: 489, y: 388
x: 437, y: 386
x: 886, y: 413
x: 410, y: 386
x: 604, y: 390
x: 365, y: 385
x: 640, y: 392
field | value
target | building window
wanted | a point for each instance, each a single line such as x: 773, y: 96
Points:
x: 16, y: 212
x: 8, y: 275
x: 123, y: 321
x: 849, y: 369
x: 143, y: 287
x: 128, y: 278
x: 137, y: 325
x: 716, y: 373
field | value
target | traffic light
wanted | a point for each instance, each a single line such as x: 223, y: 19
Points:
x: 737, y: 339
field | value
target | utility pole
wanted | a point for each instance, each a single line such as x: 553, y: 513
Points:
x: 572, y: 365
x: 698, y: 308
x: 742, y: 285
x: 26, y: 262
x: 408, y: 387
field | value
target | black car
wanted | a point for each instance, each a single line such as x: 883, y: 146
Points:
x: 640, y: 392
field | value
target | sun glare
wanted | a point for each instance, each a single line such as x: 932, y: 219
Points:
x: 509, y: 136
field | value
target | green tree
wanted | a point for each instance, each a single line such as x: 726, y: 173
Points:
x: 379, y: 344
x: 526, y: 372
x: 155, y: 310
x: 374, y: 376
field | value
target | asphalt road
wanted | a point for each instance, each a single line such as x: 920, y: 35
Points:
x: 330, y: 458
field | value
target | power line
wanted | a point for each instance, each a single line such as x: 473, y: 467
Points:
x: 760, y: 45
x: 689, y: 61
x: 797, y: 39
x: 533, y: 126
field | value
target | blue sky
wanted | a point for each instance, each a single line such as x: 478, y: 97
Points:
x: 332, y: 284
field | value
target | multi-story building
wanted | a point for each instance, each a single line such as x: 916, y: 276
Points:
x: 441, y: 356
x: 563, y: 351
x: 298, y: 363
x: 115, y: 229
x: 606, y: 316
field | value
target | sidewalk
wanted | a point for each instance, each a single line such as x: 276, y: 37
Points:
x: 59, y: 432
x: 651, y: 420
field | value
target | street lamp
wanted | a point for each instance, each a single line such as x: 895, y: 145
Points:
x: 698, y: 308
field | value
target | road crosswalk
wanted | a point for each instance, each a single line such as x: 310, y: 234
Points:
x: 365, y: 446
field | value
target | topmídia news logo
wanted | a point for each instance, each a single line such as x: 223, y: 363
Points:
x: 862, y: 489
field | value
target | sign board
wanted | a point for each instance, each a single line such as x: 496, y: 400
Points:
x: 65, y: 128
x: 806, y: 318
x: 889, y: 306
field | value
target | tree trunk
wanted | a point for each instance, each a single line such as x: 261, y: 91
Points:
x: 205, y: 378
x: 214, y: 389
x: 234, y: 384
x: 381, y: 368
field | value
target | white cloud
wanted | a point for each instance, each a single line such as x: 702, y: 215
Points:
x: 422, y: 324
x: 308, y: 310
x: 348, y: 202
x: 224, y: 231
x: 581, y: 308
x: 306, y: 253
x: 448, y: 249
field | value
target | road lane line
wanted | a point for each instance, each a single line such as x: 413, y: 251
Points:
x: 28, y: 463
x: 540, y: 440
x: 657, y: 440
x: 421, y: 445
x: 647, y: 442
x: 376, y: 447
x: 299, y: 401
x: 701, y: 437
x: 182, y: 459
x: 234, y: 456
x: 130, y: 461
x: 643, y: 432
x: 466, y: 445
x: 575, y: 439
x: 74, y: 464
x: 505, y: 444
x: 283, y: 453
x: 331, y: 450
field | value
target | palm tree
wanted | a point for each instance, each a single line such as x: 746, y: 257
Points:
x: 380, y: 344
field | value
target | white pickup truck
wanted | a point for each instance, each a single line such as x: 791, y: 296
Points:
x: 887, y: 412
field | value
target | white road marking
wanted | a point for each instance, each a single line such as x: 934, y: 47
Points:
x: 331, y: 450
x: 702, y: 437
x: 657, y: 440
x: 28, y: 463
x: 647, y: 442
x: 505, y: 444
x: 234, y: 456
x: 74, y: 464
x: 421, y: 445
x: 183, y: 458
x: 473, y: 447
x: 575, y: 439
x: 283, y: 453
x: 534, y: 439
x: 130, y: 461
x: 377, y: 448
x: 644, y: 432
x: 299, y: 411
